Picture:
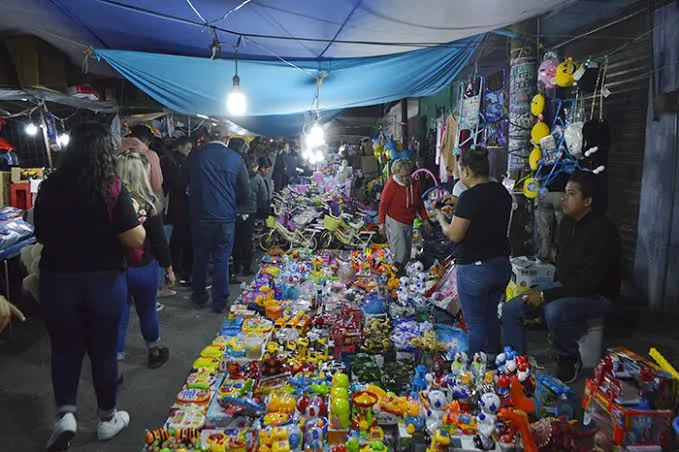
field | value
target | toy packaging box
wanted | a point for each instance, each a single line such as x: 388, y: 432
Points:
x: 553, y: 398
x: 528, y: 272
x: 627, y: 426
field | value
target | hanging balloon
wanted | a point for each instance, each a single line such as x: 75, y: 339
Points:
x: 565, y: 73
x: 534, y: 157
x: 547, y: 70
x: 540, y: 130
x: 537, y: 105
x: 530, y: 188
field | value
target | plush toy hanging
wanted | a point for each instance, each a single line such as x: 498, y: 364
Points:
x: 535, y: 157
x: 595, y: 132
x: 537, y: 105
x: 539, y: 131
x: 565, y: 73
x: 547, y: 70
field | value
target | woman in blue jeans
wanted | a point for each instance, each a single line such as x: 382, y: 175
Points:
x: 142, y: 277
x: 481, y: 252
x: 85, y: 220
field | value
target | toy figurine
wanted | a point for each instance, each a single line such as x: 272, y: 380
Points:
x: 414, y: 421
x: 459, y: 365
x: 486, y: 420
x: 419, y: 382
x: 440, y: 441
x: 479, y: 365
x: 436, y: 401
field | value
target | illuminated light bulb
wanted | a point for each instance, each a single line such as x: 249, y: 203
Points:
x: 316, y: 137
x: 63, y: 139
x: 236, y: 102
x: 31, y: 129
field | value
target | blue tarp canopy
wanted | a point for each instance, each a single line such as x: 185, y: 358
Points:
x: 317, y: 35
x: 276, y: 89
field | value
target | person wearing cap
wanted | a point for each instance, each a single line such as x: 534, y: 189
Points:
x: 218, y: 184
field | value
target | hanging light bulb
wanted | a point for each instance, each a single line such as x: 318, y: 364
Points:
x: 236, y: 101
x: 316, y: 136
x: 31, y: 129
x: 63, y: 139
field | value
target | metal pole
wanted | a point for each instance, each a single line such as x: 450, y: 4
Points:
x: 404, y: 123
x: 48, y: 149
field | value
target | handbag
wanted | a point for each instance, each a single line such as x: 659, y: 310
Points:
x: 133, y: 255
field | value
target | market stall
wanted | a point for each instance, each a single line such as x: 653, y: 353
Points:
x: 330, y: 351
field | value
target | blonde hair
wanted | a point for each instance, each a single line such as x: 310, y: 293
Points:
x: 133, y: 168
x: 400, y: 165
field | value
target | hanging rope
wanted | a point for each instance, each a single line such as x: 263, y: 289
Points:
x: 231, y: 11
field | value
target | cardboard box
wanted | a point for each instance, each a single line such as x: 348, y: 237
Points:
x: 626, y: 426
x: 370, y: 166
x: 531, y: 272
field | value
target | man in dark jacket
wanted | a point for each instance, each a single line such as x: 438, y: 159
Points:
x: 218, y: 183
x: 243, y: 251
x: 175, y: 185
x: 587, y: 280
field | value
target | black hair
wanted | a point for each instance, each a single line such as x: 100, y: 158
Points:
x: 142, y: 132
x: 89, y: 162
x: 476, y: 161
x: 238, y: 145
x: 264, y: 162
x: 250, y: 161
x: 590, y: 186
x: 181, y: 141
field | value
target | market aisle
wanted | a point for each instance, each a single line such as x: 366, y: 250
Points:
x: 26, y: 404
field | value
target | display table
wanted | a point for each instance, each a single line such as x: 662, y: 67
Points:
x: 5, y: 256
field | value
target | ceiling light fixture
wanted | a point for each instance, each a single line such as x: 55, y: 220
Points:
x: 236, y: 102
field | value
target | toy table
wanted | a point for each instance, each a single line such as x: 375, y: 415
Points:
x: 5, y: 256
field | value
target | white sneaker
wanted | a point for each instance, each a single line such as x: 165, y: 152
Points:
x: 159, y: 306
x: 63, y: 433
x: 109, y: 429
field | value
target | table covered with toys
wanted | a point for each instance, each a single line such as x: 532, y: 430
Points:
x: 332, y: 351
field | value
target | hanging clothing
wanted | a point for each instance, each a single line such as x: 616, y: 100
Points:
x: 449, y: 160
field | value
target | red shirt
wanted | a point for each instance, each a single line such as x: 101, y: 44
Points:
x: 401, y: 202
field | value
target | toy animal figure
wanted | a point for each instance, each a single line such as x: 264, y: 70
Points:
x: 560, y: 435
x: 451, y: 418
x: 507, y: 355
x: 414, y: 420
x: 419, y: 382
x: 518, y: 397
x: 436, y: 401
x: 486, y: 420
x: 517, y: 422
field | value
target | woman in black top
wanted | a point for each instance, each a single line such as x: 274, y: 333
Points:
x: 142, y: 277
x: 85, y: 220
x: 479, y: 231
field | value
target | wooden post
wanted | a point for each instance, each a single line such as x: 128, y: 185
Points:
x: 48, y: 149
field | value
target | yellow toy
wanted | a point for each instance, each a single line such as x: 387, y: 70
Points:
x: 539, y: 131
x: 266, y: 298
x: 530, y: 188
x: 537, y: 105
x: 534, y: 157
x: 440, y: 442
x: 663, y: 363
x: 565, y: 73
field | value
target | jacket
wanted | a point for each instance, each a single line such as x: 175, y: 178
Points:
x: 156, y: 174
x: 175, y: 185
x: 155, y: 245
x: 257, y: 201
x: 588, y: 259
x: 402, y: 203
x: 218, y: 183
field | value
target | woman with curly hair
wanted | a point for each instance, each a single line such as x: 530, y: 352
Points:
x: 85, y: 219
x: 142, y: 277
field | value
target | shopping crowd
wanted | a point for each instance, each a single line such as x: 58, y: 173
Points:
x: 104, y: 217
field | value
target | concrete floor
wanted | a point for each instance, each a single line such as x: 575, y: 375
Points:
x: 26, y: 404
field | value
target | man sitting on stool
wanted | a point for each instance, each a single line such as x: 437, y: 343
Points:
x: 588, y: 277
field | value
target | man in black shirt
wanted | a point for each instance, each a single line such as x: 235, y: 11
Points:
x: 588, y: 278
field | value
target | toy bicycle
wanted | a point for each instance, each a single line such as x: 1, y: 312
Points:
x: 348, y: 234
x: 287, y: 233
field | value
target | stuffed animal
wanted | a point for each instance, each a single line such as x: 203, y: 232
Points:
x: 547, y: 70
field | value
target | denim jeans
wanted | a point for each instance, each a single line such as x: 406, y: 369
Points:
x: 82, y: 313
x: 141, y: 286
x: 479, y: 289
x: 566, y: 319
x: 216, y: 239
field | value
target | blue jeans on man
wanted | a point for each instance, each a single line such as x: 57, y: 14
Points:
x: 212, y: 239
x: 479, y: 289
x: 566, y: 319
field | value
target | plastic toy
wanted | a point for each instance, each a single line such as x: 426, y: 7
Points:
x: 363, y: 418
x: 440, y: 441
x: 435, y: 403
x: 486, y: 420
x: 547, y: 70
x: 414, y: 419
x: 517, y: 422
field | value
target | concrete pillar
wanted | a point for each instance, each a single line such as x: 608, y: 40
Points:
x: 522, y: 88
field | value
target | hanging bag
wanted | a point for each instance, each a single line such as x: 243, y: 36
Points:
x: 134, y: 255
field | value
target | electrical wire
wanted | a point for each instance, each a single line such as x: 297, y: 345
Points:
x: 197, y: 13
x: 231, y: 11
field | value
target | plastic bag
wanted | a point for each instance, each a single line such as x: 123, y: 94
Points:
x: 573, y: 136
x: 445, y: 296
